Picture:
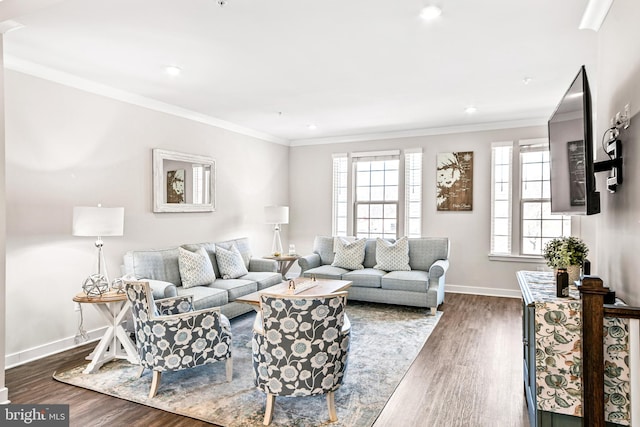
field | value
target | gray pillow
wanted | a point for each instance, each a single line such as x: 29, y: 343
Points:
x: 230, y: 262
x: 195, y: 268
x: 392, y: 256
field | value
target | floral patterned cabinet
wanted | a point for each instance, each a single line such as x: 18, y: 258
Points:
x: 553, y: 356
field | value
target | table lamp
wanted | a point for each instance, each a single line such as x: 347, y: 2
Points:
x: 276, y: 215
x: 98, y: 222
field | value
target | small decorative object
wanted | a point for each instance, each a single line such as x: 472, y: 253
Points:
x: 118, y: 285
x: 313, y: 277
x: 566, y: 252
x: 95, y: 285
x: 292, y: 285
x: 562, y: 283
x: 292, y: 249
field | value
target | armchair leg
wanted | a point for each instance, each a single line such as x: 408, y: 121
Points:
x: 155, y: 383
x: 229, y: 369
x: 268, y: 412
x: 332, y: 407
x: 140, y: 372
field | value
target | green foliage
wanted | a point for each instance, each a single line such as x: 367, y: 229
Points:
x: 562, y: 252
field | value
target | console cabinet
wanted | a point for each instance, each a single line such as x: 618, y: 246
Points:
x: 552, y: 356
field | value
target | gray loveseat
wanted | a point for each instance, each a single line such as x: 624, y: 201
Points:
x: 161, y: 269
x: 423, y: 286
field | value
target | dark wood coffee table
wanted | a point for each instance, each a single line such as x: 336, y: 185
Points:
x: 323, y: 287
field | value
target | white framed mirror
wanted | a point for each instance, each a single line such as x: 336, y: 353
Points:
x: 183, y: 182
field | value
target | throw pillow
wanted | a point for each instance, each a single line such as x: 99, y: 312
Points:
x: 195, y: 268
x: 230, y: 262
x: 349, y: 255
x: 392, y: 256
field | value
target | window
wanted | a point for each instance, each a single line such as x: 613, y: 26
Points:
x: 413, y: 193
x: 522, y: 228
x: 381, y: 197
x: 340, y: 174
x: 376, y: 200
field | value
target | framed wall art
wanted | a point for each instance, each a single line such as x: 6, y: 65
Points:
x: 454, y: 181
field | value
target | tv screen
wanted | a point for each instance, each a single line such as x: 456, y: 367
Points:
x: 573, y: 186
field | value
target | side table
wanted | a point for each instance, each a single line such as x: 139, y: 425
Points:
x: 115, y: 343
x: 285, y: 262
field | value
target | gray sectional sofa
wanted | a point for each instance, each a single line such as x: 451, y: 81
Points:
x: 422, y: 286
x: 161, y: 269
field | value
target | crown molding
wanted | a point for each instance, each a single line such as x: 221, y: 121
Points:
x: 512, y: 124
x: 66, y: 79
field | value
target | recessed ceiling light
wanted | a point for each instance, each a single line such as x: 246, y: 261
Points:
x: 470, y: 109
x: 172, y: 70
x: 431, y: 12
x: 312, y: 127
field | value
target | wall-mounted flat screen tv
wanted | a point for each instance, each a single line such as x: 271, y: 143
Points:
x: 573, y: 184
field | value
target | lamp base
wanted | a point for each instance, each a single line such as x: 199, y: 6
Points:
x: 276, y: 246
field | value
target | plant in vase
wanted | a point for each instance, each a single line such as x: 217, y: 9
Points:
x: 566, y: 252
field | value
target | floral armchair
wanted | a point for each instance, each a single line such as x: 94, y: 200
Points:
x: 170, y: 336
x: 300, y: 346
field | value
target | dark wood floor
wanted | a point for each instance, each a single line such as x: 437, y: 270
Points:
x: 468, y: 374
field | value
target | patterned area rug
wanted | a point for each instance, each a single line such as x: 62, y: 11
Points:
x: 384, y: 342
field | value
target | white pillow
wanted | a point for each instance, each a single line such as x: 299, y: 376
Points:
x: 392, y: 256
x: 230, y: 262
x: 195, y: 268
x: 349, y: 255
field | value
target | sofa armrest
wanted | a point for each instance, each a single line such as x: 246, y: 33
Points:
x: 308, y: 261
x: 438, y: 268
x: 262, y: 264
x: 161, y: 289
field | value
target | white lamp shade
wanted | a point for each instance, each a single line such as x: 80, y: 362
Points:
x: 98, y: 221
x: 276, y: 214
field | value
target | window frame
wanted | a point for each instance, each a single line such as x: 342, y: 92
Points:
x: 346, y: 163
x: 516, y: 204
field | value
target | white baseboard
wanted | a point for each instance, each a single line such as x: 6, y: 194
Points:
x: 29, y: 355
x: 4, y: 396
x: 474, y: 290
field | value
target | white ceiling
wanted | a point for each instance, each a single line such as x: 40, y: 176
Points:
x: 351, y: 67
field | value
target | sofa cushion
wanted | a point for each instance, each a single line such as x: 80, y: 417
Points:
x: 264, y: 279
x: 230, y: 263
x: 413, y: 281
x: 326, y: 272
x: 392, y: 256
x: 154, y: 264
x: 235, y: 287
x: 366, y: 278
x: 323, y: 246
x: 195, y: 268
x: 349, y: 255
x: 205, y: 296
x: 424, y: 251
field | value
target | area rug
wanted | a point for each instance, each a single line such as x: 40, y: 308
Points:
x: 385, y: 341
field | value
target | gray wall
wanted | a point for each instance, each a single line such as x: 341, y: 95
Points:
x: 65, y: 148
x: 469, y: 232
x: 618, y: 226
